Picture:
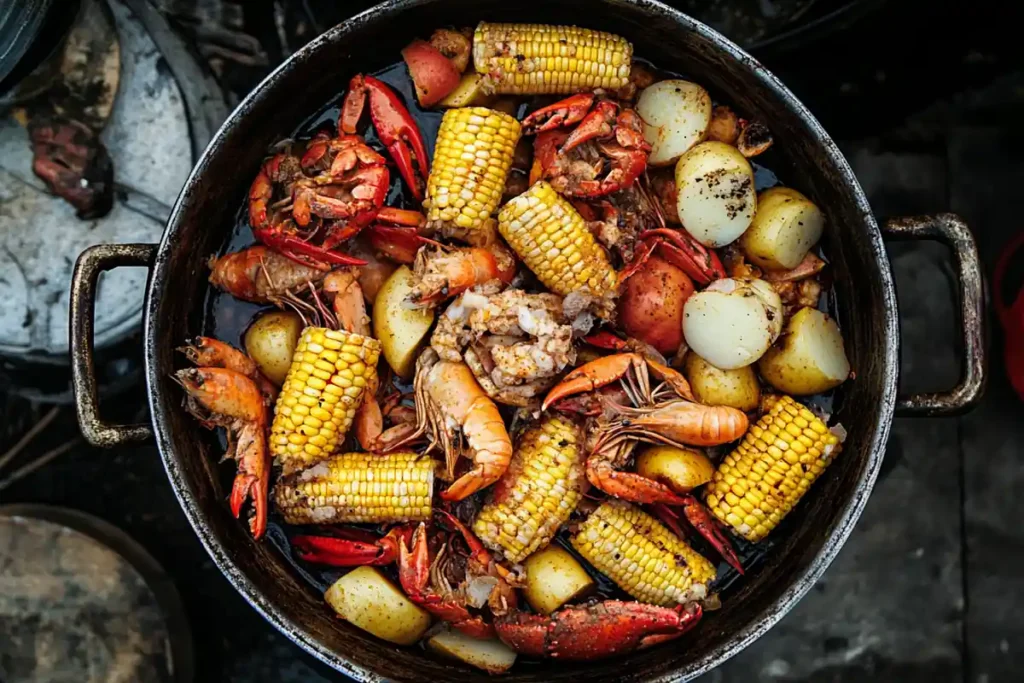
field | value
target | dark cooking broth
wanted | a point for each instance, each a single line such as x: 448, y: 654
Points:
x: 227, y: 318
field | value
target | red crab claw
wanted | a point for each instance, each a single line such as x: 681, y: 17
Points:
x: 395, y: 128
x: 562, y: 113
x: 597, y: 124
x: 303, y: 252
x: 398, y: 243
x: 690, y: 256
x: 700, y: 519
x: 414, y: 575
x: 603, y: 629
x: 593, y: 375
x: 606, y: 340
x: 352, y: 547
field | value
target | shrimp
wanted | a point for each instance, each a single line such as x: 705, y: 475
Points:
x: 442, y: 273
x: 448, y: 398
x: 260, y: 275
x: 208, y: 352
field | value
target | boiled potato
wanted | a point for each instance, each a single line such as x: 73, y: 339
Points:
x: 681, y: 469
x: 785, y: 227
x: 271, y: 342
x: 715, y: 193
x: 651, y: 304
x: 675, y: 115
x: 365, y: 598
x: 492, y: 655
x: 468, y: 93
x: 808, y: 358
x: 399, y: 327
x: 737, y: 388
x: 553, y: 578
x: 732, y: 322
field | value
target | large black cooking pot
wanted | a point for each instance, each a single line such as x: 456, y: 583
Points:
x: 206, y: 210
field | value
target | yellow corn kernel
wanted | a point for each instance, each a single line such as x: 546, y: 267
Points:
x: 359, y: 488
x: 642, y: 556
x: 538, y: 59
x: 791, y: 447
x: 321, y: 393
x: 538, y: 492
x: 553, y: 240
x: 472, y: 158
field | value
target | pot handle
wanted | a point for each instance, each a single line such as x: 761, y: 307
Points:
x: 90, y: 264
x: 951, y: 230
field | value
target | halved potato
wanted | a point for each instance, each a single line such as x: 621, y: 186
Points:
x: 737, y: 388
x: 271, y: 340
x: 675, y: 115
x: 553, y: 578
x: 785, y: 227
x: 365, y: 598
x: 399, y: 327
x: 809, y: 357
x: 732, y: 322
x: 681, y: 469
x: 715, y: 193
x: 492, y: 655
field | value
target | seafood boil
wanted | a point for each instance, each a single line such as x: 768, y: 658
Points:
x: 545, y: 402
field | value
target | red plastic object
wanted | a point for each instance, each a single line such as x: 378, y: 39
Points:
x: 1011, y: 315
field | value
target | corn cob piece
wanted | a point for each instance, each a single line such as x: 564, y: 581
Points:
x: 321, y: 393
x: 537, y: 493
x: 537, y: 59
x: 359, y: 488
x: 642, y: 556
x: 472, y: 158
x: 551, y: 237
x: 757, y: 484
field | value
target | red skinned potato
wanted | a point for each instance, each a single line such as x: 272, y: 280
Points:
x: 651, y: 305
x: 433, y: 74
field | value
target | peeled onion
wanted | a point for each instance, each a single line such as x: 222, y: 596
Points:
x: 733, y: 322
x: 715, y: 193
x: 676, y: 114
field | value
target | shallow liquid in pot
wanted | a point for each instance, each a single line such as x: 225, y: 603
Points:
x: 227, y: 318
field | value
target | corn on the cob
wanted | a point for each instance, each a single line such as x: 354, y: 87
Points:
x: 757, y: 484
x: 359, y: 488
x: 536, y: 59
x: 551, y: 237
x: 642, y: 556
x: 537, y: 493
x: 472, y: 158
x: 321, y: 393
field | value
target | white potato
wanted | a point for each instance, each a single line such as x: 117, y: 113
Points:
x: 716, y: 197
x: 681, y: 469
x: 737, y: 388
x: 553, y: 578
x: 785, y: 227
x: 809, y: 357
x: 399, y: 327
x: 365, y: 598
x: 492, y: 655
x: 676, y: 114
x: 732, y: 322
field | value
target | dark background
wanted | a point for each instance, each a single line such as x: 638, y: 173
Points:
x: 926, y: 100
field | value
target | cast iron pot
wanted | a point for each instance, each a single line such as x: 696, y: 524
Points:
x: 206, y: 209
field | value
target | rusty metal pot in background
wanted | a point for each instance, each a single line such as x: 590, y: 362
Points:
x: 200, y: 224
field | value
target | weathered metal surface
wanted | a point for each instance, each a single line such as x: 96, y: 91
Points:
x: 81, y: 601
x: 149, y: 144
x: 90, y: 264
x: 950, y: 229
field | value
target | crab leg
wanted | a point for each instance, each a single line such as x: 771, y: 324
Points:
x: 352, y: 547
x: 593, y: 375
x: 562, y: 113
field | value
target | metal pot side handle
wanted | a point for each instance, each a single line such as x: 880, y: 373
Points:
x: 951, y: 229
x: 90, y: 264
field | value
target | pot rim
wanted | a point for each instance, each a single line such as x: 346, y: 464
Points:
x: 838, y: 533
